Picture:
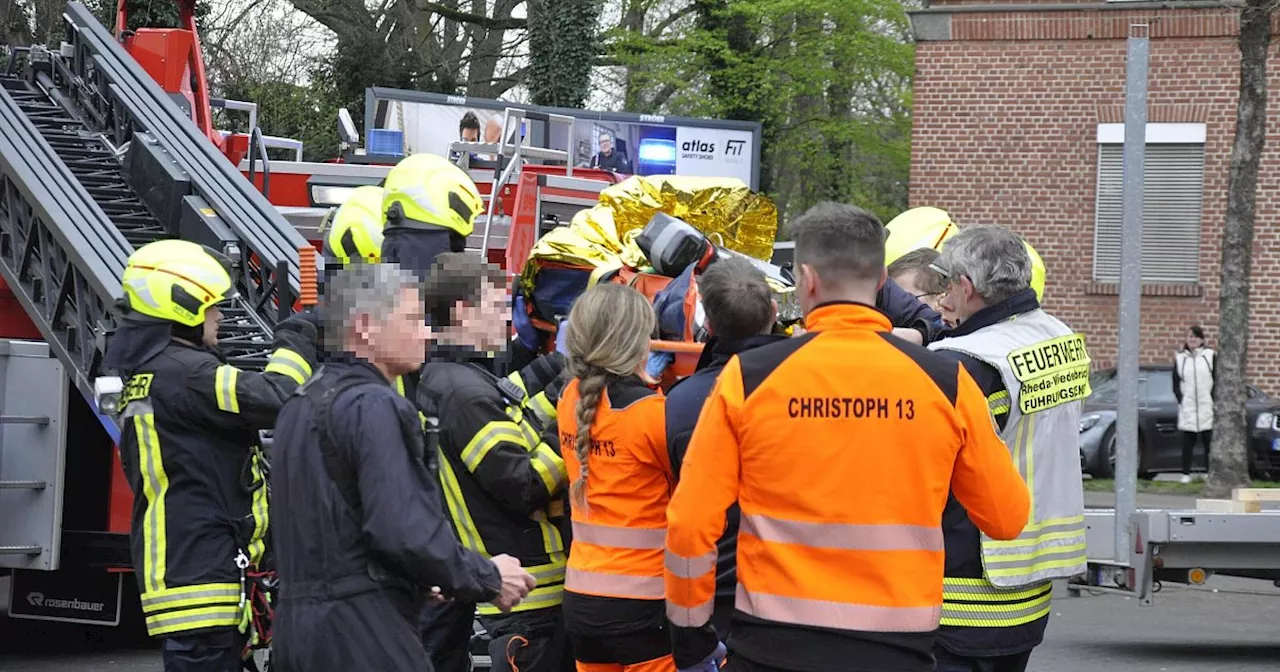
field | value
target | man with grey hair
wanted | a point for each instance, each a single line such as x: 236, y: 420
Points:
x: 360, y: 534
x: 1035, y: 372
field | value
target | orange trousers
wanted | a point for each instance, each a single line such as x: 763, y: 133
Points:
x: 664, y: 664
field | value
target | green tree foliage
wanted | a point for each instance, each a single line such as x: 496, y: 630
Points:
x: 829, y: 82
x: 562, y: 50
x: 306, y: 113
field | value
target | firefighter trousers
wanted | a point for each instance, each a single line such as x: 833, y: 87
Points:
x: 528, y: 641
x: 217, y: 651
x: 645, y: 651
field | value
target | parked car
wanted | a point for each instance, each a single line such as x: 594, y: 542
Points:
x: 1159, y: 440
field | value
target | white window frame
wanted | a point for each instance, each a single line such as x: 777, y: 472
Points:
x: 1105, y: 233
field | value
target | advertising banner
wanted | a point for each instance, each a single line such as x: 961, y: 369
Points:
x: 627, y: 144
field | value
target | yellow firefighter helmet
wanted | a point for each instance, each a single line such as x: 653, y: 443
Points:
x: 353, y: 230
x: 176, y: 281
x: 427, y: 189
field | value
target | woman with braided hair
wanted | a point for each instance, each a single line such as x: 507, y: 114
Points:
x: 613, y: 439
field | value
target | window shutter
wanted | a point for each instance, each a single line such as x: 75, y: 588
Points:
x: 1173, y: 192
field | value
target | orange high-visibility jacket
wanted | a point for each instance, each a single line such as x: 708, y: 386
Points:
x: 840, y: 446
x: 618, y: 538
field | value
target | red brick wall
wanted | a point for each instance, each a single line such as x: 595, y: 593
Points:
x: 1005, y: 133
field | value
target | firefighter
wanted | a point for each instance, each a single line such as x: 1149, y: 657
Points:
x: 1034, y: 371
x: 361, y: 535
x: 431, y: 207
x: 501, y: 479
x: 189, y: 444
x: 839, y: 446
x: 741, y: 314
x: 352, y: 232
x: 614, y: 445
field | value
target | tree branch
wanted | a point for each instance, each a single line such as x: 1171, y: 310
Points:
x: 672, y: 19
x: 474, y: 19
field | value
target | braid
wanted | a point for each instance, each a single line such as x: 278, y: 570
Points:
x: 591, y: 386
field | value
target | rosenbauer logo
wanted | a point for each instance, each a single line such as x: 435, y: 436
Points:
x: 39, y: 600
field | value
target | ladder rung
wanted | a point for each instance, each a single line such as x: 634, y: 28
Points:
x: 23, y: 485
x: 24, y: 419
x: 21, y: 550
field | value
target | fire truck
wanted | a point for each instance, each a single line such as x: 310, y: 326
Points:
x: 108, y: 143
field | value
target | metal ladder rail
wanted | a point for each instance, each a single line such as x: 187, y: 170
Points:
x: 59, y: 253
x: 116, y: 87
x: 244, y: 338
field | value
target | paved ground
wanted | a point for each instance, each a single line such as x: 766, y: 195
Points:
x: 1188, y: 630
x: 1230, y: 625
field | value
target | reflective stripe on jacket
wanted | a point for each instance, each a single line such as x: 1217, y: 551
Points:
x: 618, y: 538
x: 501, y: 479
x: 840, y: 447
x: 189, y: 430
x: 1045, y: 368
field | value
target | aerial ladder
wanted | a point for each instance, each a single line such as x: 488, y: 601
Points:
x: 95, y: 161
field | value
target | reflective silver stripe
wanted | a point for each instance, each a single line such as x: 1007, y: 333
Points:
x: 690, y: 617
x: 493, y: 433
x: 225, y: 388
x: 690, y: 568
x: 206, y: 595
x: 289, y: 363
x: 844, y: 536
x: 837, y: 615
x: 980, y: 589
x: 615, y: 585
x: 193, y: 619
x: 1073, y: 526
x: 1042, y: 555
x: 653, y: 538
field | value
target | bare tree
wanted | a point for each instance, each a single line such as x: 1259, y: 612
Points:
x: 1229, y: 463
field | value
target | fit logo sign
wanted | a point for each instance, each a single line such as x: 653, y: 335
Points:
x: 734, y: 147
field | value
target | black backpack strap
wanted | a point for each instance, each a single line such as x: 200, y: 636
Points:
x: 335, y: 463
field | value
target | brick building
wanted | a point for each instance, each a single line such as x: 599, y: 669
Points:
x: 1017, y: 121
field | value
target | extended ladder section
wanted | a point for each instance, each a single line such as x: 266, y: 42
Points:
x: 95, y: 161
x: 98, y: 160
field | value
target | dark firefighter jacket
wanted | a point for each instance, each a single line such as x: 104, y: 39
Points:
x: 502, y: 480
x: 683, y: 405
x: 189, y: 432
x: 962, y: 540
x: 353, y: 575
x: 905, y: 310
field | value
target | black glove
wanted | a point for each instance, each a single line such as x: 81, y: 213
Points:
x: 539, y: 374
x: 300, y: 333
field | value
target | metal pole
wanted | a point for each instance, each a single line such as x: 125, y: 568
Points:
x: 1135, y: 140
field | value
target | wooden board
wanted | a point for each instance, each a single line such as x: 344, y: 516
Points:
x: 1227, y: 506
x: 1256, y: 494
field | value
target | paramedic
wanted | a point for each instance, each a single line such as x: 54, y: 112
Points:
x: 840, y: 553
x: 1034, y: 371
x: 431, y: 207
x: 612, y: 438
x: 360, y: 533
x: 740, y: 312
x: 501, y: 480
x: 189, y: 444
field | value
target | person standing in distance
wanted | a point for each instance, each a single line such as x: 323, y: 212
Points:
x: 1034, y: 372
x: 188, y: 434
x: 840, y: 447
x: 1194, y: 376
x: 362, y: 537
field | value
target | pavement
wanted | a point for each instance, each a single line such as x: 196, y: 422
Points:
x: 1229, y: 625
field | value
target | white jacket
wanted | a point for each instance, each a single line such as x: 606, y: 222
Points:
x: 1194, y: 376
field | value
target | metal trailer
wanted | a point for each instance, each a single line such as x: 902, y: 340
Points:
x: 1178, y: 546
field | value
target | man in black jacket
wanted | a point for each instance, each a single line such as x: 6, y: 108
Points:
x: 740, y: 311
x: 503, y: 482
x: 360, y: 533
